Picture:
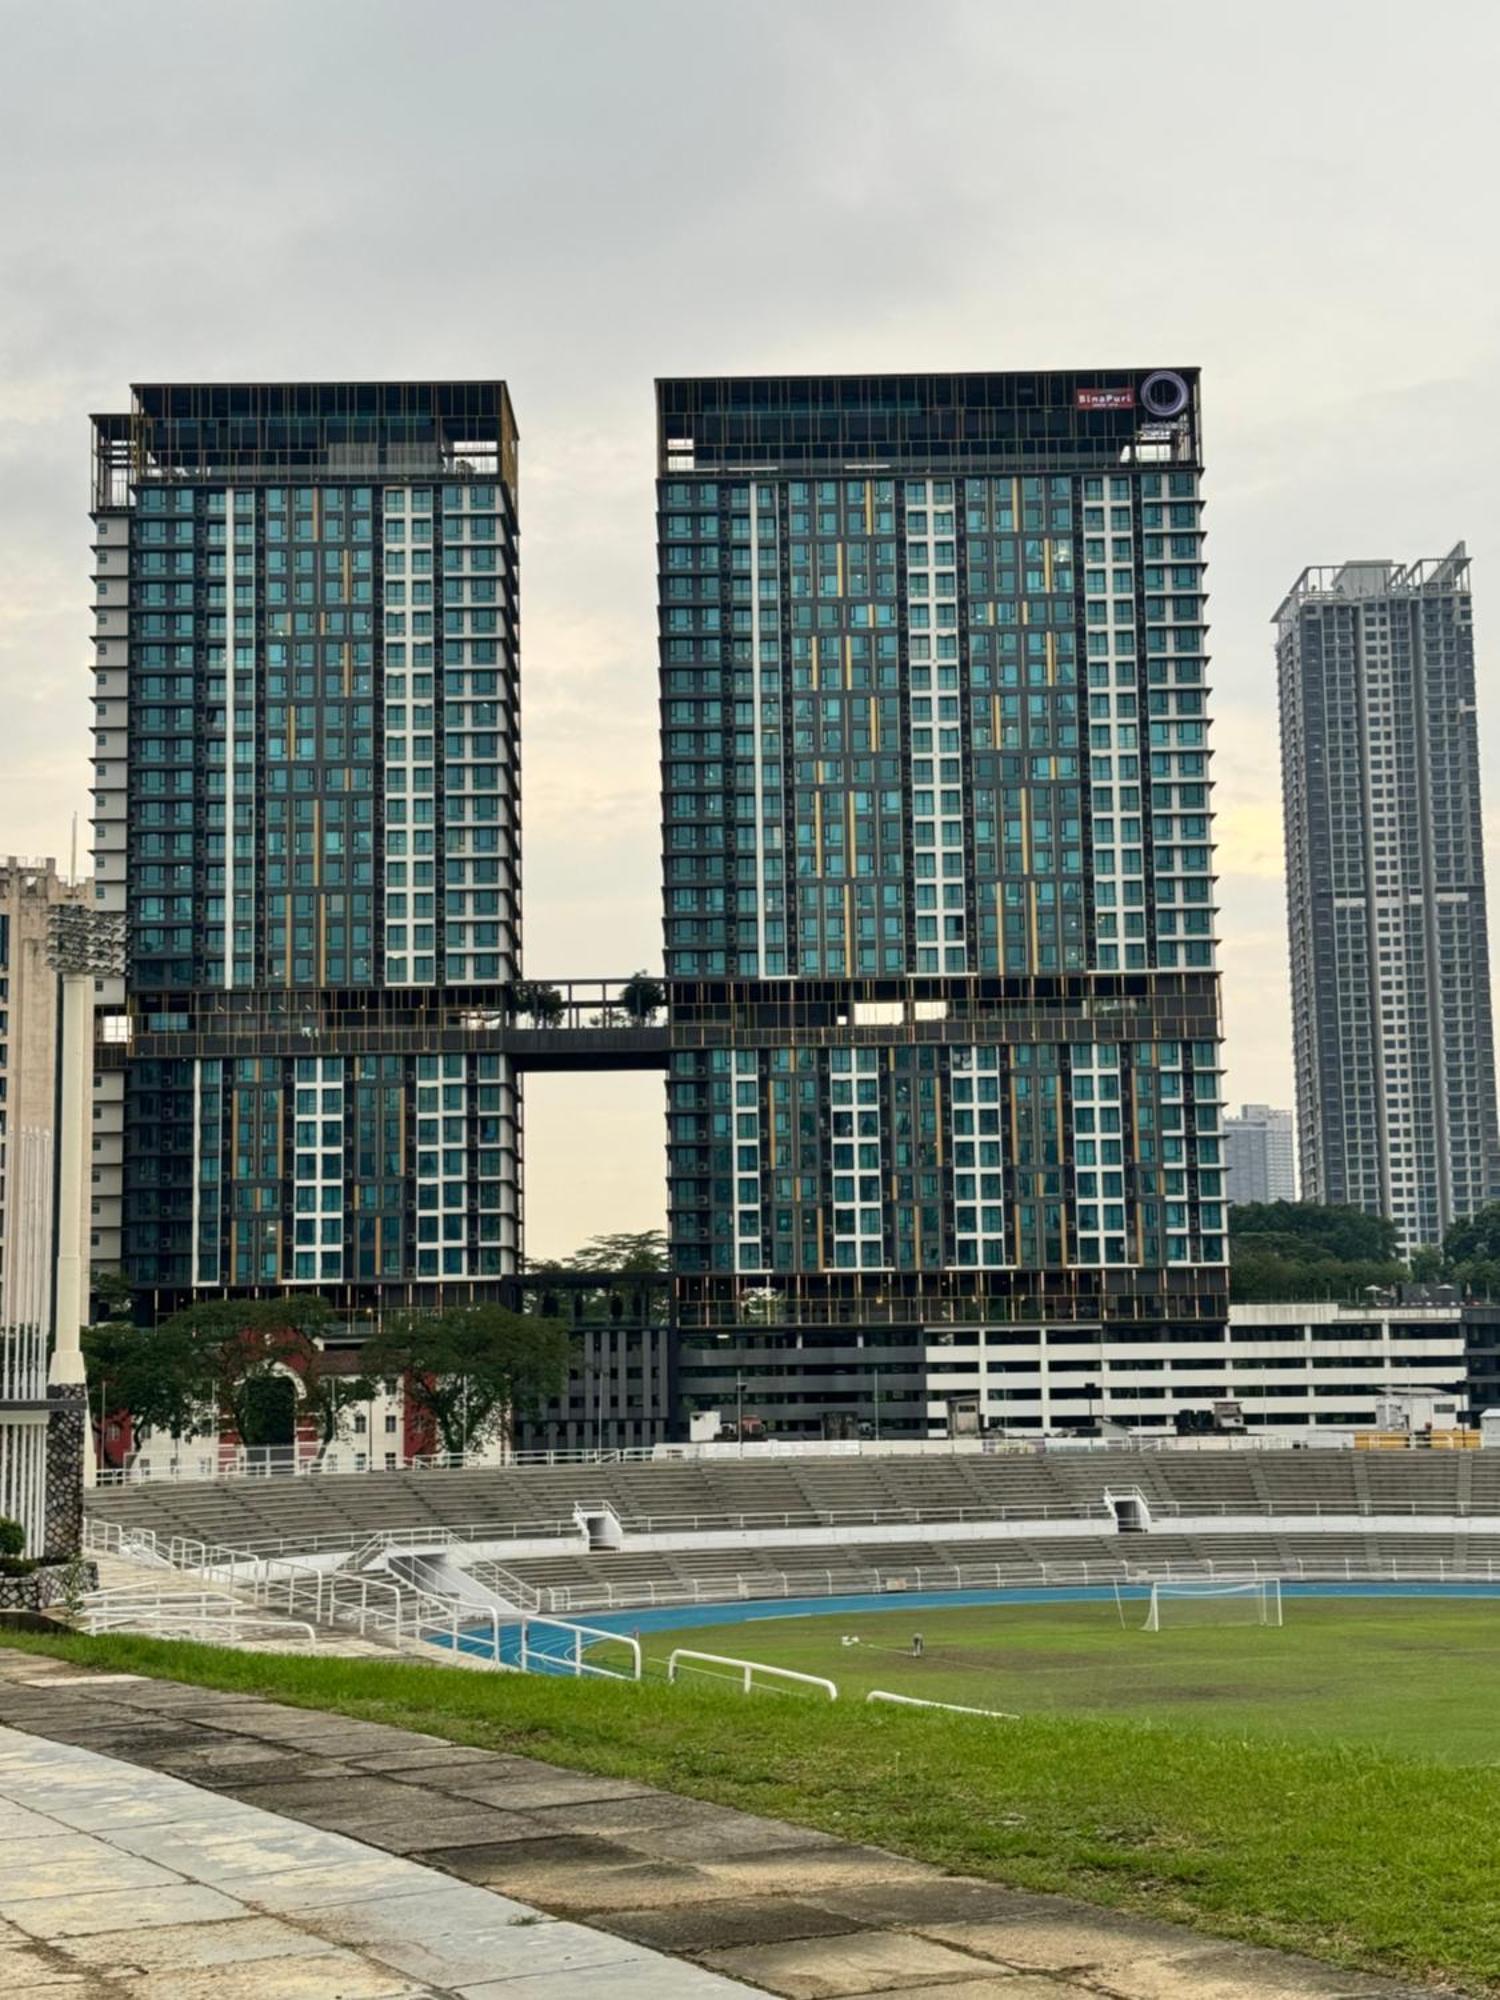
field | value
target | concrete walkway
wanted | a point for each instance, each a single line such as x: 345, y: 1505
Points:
x: 431, y: 1865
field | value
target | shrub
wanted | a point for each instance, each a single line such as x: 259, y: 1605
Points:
x: 12, y: 1536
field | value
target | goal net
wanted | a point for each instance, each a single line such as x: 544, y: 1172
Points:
x: 1255, y: 1601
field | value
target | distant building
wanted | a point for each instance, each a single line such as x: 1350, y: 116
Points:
x: 1391, y: 1019
x: 1258, y: 1155
x: 1287, y: 1366
x: 29, y: 892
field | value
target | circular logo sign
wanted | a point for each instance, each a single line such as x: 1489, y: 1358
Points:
x: 1164, y: 394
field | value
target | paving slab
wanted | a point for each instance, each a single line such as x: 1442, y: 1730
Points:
x: 217, y: 1899
x: 194, y: 1947
x: 828, y: 1968
x: 724, y: 1921
x: 320, y: 1976
x: 1135, y: 1958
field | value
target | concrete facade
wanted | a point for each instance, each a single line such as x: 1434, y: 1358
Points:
x: 29, y: 1041
x: 1258, y: 1155
x: 1392, y: 1028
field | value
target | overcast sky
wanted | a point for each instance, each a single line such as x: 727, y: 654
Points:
x: 580, y: 196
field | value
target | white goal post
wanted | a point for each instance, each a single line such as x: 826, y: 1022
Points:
x: 1249, y: 1601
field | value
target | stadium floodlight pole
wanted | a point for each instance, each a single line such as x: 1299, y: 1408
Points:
x: 83, y: 944
x: 739, y: 1415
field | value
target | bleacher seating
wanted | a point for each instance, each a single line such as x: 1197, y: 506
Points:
x: 773, y: 1495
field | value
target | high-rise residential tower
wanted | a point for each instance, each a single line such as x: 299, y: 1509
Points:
x: 1393, y: 1037
x: 306, y: 808
x: 1258, y: 1158
x: 944, y: 1100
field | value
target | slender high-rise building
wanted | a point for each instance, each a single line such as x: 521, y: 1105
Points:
x: 1392, y: 1028
x: 944, y: 1100
x: 1258, y: 1157
x: 306, y: 808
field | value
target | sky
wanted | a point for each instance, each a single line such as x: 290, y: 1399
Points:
x: 580, y: 196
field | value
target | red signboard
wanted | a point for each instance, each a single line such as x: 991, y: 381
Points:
x: 1106, y: 399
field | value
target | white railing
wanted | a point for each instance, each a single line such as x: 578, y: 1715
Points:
x: 504, y: 1583
x: 171, y: 1609
x: 23, y: 1475
x: 573, y: 1661
x: 752, y: 1675
x: 23, y: 1364
x: 769, y: 1586
x: 376, y: 1607
x: 949, y: 1707
x: 212, y: 1462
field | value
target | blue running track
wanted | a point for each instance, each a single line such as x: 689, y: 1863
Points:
x: 551, y: 1649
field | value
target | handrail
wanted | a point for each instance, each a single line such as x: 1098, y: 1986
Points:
x: 128, y: 1605
x: 750, y: 1668
x: 579, y: 1664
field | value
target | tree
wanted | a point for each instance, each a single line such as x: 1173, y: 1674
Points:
x: 542, y: 1003
x: 1471, y: 1253
x: 245, y: 1343
x: 638, y: 1250
x: 329, y: 1398
x: 641, y: 996
x: 113, y: 1297
x: 159, y: 1375
x: 471, y: 1369
x: 1475, y: 1240
x: 1302, y: 1250
x: 1309, y: 1229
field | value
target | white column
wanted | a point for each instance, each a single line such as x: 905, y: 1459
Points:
x: 77, y: 1024
x: 69, y: 1300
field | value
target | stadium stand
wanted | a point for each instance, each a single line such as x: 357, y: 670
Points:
x: 1021, y: 1484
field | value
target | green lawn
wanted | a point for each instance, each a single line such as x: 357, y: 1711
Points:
x: 1412, y: 1675
x: 1325, y: 1845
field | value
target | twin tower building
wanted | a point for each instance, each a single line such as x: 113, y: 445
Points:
x: 941, y: 1031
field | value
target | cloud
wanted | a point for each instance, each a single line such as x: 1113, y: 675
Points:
x: 583, y: 196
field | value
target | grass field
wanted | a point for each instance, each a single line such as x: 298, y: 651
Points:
x: 1324, y: 1844
x: 1416, y: 1676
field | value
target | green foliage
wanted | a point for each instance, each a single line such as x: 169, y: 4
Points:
x: 112, y: 1294
x: 544, y: 1004
x: 1301, y: 1250
x: 12, y: 1536
x: 241, y: 1344
x: 1475, y: 1240
x: 1309, y: 1229
x: 217, y: 1357
x: 638, y: 1250
x: 1471, y: 1253
x: 329, y: 1399
x: 642, y: 996
x: 159, y: 1375
x: 471, y: 1369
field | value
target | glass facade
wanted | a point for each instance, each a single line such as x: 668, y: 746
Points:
x: 307, y: 706
x: 1392, y: 1028
x: 938, y: 873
